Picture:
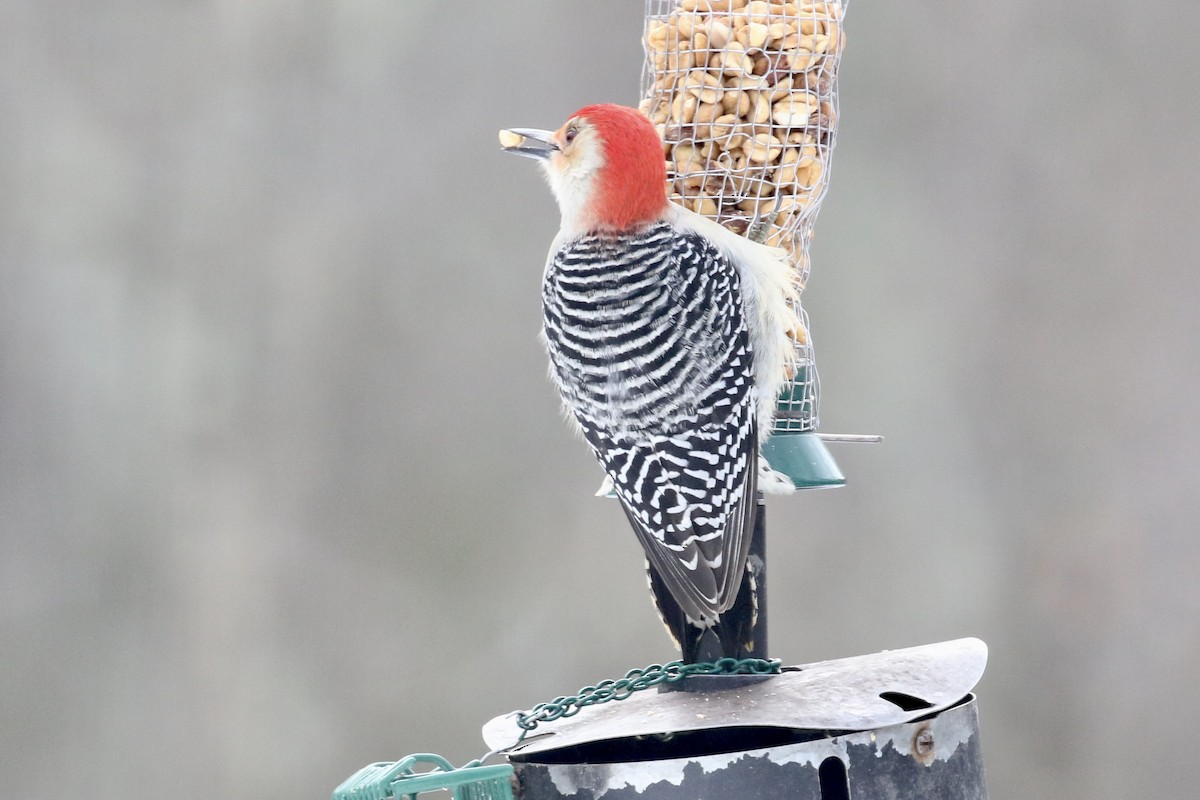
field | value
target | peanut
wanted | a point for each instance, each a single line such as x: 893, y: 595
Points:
x: 704, y: 85
x: 733, y: 61
x: 794, y: 110
x: 735, y: 102
x: 763, y: 147
x: 707, y: 113
x: 719, y: 34
x: 761, y: 108
x: 754, y: 35
x: 720, y: 128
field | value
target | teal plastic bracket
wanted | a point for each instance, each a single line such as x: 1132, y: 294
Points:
x: 396, y: 779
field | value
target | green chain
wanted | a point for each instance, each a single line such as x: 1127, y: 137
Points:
x: 636, y: 680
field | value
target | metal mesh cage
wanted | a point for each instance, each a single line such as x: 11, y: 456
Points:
x: 744, y: 95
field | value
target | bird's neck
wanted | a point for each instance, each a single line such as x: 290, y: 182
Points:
x: 604, y: 201
x: 617, y: 217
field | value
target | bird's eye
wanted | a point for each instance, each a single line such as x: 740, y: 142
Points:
x: 569, y: 136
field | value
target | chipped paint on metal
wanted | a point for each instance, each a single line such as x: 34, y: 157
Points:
x: 600, y: 779
x: 569, y: 779
x: 950, y: 731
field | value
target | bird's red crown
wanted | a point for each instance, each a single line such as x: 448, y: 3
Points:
x: 632, y: 184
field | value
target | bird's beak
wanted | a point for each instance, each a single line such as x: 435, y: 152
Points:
x: 528, y: 142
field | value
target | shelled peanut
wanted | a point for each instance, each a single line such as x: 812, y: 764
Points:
x: 742, y: 93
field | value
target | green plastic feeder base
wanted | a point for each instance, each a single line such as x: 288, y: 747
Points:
x: 804, y: 458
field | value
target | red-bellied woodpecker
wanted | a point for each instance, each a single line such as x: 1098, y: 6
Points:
x: 668, y: 342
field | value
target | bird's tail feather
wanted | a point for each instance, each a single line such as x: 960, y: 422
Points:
x: 740, y: 631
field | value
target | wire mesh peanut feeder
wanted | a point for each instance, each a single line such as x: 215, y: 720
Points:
x: 744, y: 95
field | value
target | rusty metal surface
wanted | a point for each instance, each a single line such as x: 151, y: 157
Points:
x: 850, y: 694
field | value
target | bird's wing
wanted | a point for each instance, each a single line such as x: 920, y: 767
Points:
x: 688, y: 487
x: 690, y: 499
x: 770, y: 298
x: 650, y: 348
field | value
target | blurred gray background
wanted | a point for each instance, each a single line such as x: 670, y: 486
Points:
x: 284, y: 489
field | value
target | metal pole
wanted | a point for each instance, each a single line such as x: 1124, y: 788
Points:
x: 757, y: 564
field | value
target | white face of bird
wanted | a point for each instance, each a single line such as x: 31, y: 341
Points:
x: 571, y: 158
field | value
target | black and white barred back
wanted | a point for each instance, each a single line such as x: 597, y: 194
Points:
x: 649, y: 347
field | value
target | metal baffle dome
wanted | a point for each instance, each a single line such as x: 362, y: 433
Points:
x: 894, y: 724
